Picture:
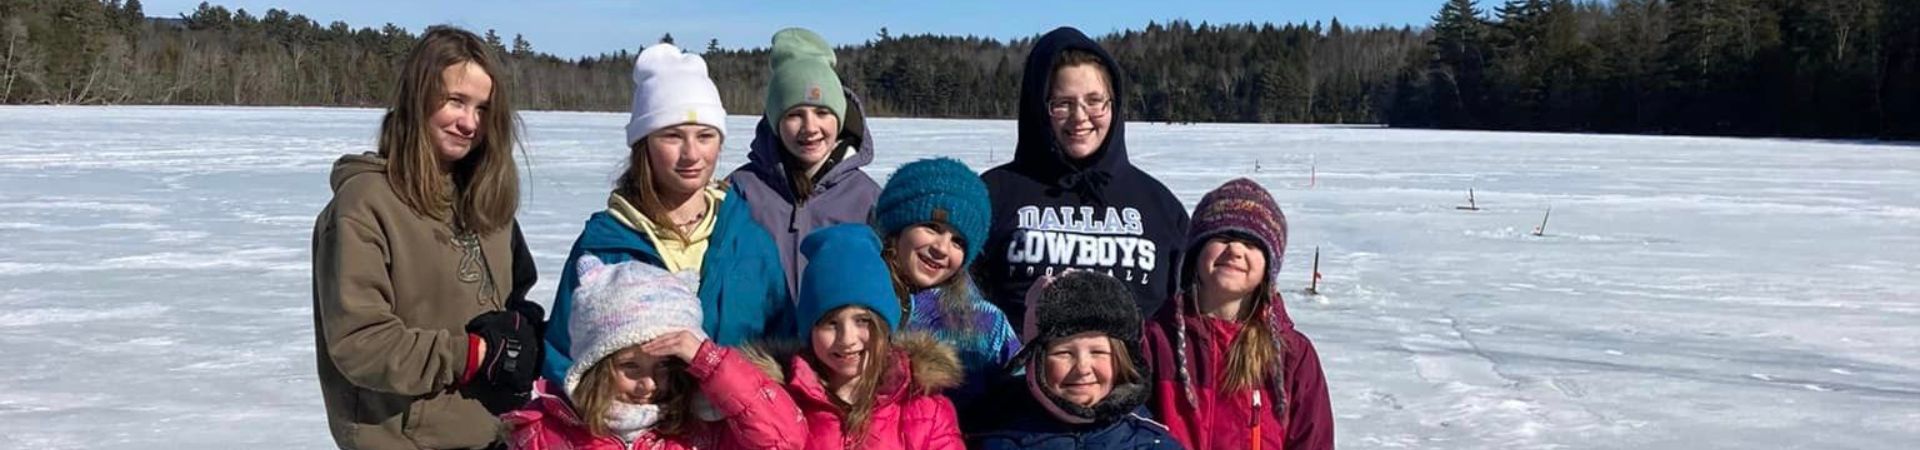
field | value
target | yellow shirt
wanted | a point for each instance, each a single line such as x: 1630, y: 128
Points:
x: 679, y: 255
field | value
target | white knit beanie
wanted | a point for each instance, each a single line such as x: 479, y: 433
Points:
x: 626, y: 304
x: 671, y: 87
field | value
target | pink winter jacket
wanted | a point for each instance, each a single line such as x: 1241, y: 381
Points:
x: 757, y: 414
x: 1187, y: 397
x: 910, y: 414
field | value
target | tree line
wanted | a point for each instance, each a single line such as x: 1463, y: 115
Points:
x: 1822, y: 68
x: 1827, y: 68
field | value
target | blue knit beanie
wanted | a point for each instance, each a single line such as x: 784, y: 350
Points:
x: 844, y: 268
x: 936, y: 190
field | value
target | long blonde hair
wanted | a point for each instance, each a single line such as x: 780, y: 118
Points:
x: 482, y: 192
x: 1252, y: 354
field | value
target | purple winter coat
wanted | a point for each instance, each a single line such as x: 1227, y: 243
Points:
x: 844, y: 195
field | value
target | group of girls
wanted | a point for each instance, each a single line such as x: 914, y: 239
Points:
x: 797, y: 303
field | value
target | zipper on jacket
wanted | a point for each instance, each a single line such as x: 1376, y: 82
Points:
x: 1254, y: 422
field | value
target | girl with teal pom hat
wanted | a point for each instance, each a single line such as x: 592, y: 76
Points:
x: 932, y: 218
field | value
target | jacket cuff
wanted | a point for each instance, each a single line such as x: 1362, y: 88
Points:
x: 706, y: 361
x: 474, y: 357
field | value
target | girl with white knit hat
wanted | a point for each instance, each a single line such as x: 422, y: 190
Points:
x: 666, y: 211
x: 652, y: 380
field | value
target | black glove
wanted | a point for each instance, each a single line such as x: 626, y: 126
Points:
x: 513, y: 353
x: 535, y: 314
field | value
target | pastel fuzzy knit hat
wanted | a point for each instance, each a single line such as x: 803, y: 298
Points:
x: 671, y: 87
x: 936, y: 190
x: 626, y: 304
x: 844, y: 268
x: 802, y: 66
x: 1239, y: 207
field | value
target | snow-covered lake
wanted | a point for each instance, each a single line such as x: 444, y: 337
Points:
x: 1687, y: 293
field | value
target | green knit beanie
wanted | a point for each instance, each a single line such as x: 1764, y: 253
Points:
x: 803, y: 74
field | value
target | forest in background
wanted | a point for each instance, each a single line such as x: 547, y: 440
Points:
x: 1804, y: 68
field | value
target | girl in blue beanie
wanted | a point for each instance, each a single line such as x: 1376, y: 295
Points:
x: 859, y: 380
x: 933, y: 217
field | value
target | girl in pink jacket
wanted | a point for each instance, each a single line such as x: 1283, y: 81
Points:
x: 1230, y: 371
x: 860, y: 384
x: 648, y: 378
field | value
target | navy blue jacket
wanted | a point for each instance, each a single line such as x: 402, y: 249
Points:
x: 1031, y: 427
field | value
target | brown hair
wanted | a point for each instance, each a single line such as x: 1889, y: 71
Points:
x: 797, y: 179
x: 636, y: 186
x: 673, y: 395
x: 1078, y: 57
x: 1125, y: 370
x: 955, y: 292
x: 856, y: 414
x: 483, y: 190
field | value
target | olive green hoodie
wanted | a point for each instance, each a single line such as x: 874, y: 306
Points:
x: 392, y: 293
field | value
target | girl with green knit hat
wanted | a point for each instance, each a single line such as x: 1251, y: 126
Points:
x: 803, y: 172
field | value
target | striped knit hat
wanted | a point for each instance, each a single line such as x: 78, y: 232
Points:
x: 1240, y: 208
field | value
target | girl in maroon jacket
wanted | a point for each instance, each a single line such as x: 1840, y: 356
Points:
x: 1230, y: 371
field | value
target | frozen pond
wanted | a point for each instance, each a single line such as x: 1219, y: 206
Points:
x: 1687, y: 293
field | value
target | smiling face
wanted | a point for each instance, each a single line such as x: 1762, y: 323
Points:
x: 1230, y: 268
x: 457, y: 123
x: 637, y: 376
x: 809, y: 133
x: 927, y: 255
x: 843, y: 341
x: 1080, y: 105
x: 681, y: 158
x: 1080, y: 368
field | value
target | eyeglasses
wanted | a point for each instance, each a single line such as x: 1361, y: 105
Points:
x: 1062, y: 108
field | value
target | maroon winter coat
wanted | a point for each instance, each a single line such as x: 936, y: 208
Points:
x: 1294, y: 413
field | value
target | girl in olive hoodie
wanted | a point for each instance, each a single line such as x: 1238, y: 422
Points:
x: 421, y: 327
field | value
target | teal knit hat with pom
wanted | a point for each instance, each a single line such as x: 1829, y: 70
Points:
x: 936, y: 190
x: 802, y: 65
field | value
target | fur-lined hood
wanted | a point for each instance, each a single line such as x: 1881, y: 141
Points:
x: 922, y: 365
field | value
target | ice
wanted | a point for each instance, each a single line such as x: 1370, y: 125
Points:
x: 1687, y: 292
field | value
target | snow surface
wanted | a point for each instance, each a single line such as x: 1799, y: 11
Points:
x: 1687, y: 293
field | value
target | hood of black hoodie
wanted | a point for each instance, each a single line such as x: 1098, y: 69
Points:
x: 1037, y: 151
x: 764, y: 160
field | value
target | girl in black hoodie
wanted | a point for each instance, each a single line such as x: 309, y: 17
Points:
x: 1070, y: 199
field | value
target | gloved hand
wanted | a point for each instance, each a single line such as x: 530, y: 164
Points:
x: 504, y: 351
x: 534, y: 313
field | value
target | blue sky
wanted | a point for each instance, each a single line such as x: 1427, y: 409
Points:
x: 571, y: 28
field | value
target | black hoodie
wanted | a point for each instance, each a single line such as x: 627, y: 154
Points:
x: 1051, y: 214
